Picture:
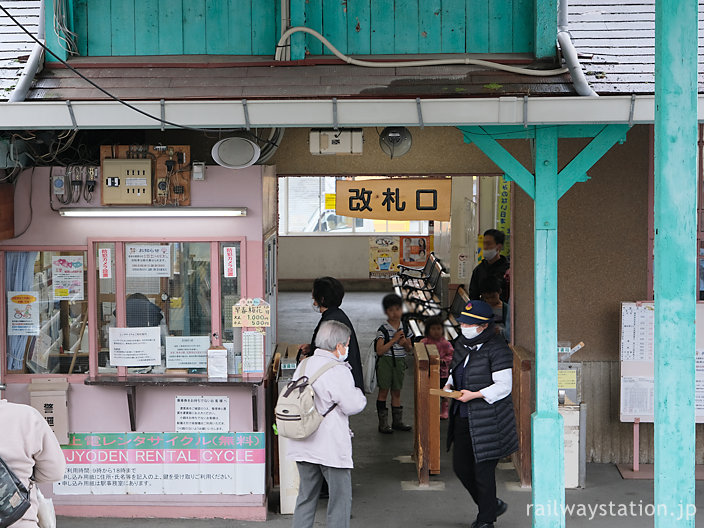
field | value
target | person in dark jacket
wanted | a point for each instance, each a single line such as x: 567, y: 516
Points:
x: 482, y: 422
x: 328, y: 293
x: 493, y: 265
x: 140, y: 311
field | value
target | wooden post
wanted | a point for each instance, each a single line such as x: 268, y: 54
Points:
x: 547, y: 438
x: 522, y: 395
x: 421, y: 432
x: 434, y: 409
x: 7, y: 211
x: 675, y: 265
x: 545, y: 29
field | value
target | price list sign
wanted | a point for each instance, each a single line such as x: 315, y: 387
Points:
x: 254, y: 313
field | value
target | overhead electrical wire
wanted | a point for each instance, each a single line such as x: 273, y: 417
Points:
x: 412, y: 63
x: 103, y: 90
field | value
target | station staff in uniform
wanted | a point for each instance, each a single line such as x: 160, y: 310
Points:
x: 482, y: 422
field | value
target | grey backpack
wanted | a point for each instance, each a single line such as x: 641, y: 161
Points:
x: 296, y: 415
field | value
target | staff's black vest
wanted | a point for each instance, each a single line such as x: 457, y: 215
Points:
x: 492, y: 427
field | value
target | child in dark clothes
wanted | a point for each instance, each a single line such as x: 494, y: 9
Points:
x: 435, y: 335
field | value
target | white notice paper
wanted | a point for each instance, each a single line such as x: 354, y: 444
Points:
x: 148, y: 261
x: 637, y: 396
x: 187, y: 352
x: 105, y: 263
x: 252, y: 351
x: 202, y: 414
x: 23, y: 313
x: 135, y: 347
x: 229, y: 265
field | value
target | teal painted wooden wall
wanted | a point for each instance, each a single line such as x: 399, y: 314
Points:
x: 379, y: 27
x: 176, y: 27
x: 252, y: 27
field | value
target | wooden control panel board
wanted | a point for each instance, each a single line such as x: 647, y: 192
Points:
x: 171, y: 169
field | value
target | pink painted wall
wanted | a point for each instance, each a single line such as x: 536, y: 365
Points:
x: 222, y: 188
x: 104, y: 409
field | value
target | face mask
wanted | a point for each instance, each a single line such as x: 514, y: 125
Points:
x: 343, y: 357
x: 316, y: 308
x: 490, y: 253
x: 470, y: 332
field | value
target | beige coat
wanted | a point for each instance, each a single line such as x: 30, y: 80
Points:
x: 331, y: 444
x: 27, y: 445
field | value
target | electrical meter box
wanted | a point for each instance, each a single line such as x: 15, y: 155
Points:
x: 126, y: 181
x: 336, y: 142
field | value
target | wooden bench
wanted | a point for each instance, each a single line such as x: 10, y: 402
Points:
x: 449, y: 315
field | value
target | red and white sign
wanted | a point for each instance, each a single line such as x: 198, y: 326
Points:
x: 230, y: 262
x: 104, y: 263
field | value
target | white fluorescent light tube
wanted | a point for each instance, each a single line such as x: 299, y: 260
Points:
x: 134, y: 212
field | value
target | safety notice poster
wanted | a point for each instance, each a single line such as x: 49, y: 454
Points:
x: 23, y: 313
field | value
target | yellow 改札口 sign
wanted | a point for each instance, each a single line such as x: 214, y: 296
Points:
x: 395, y: 199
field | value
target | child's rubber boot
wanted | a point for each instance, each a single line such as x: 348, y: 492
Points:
x: 444, y: 409
x: 397, y: 423
x: 384, y: 421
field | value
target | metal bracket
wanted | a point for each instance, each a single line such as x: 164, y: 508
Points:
x: 420, y: 113
x: 630, y: 113
x: 525, y: 111
x: 73, y: 116
x: 246, y: 114
x: 163, y: 113
x: 335, y: 124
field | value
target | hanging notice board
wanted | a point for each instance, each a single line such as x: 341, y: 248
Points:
x: 638, y: 362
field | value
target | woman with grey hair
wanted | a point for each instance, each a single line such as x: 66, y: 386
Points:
x: 326, y: 455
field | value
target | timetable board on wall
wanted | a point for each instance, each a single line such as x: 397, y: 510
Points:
x: 637, y: 355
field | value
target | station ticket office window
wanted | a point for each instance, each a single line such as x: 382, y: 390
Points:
x: 46, y: 312
x: 168, y: 285
x: 186, y: 289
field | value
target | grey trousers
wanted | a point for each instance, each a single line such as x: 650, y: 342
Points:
x: 339, y: 504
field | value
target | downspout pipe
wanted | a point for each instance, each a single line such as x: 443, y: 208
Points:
x: 570, y: 53
x: 33, y: 66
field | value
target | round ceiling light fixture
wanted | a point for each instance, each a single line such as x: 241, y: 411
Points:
x: 395, y: 141
x: 235, y: 152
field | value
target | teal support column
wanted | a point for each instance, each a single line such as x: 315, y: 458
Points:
x: 52, y: 40
x: 675, y: 247
x: 298, y: 18
x: 545, y: 29
x: 547, y: 445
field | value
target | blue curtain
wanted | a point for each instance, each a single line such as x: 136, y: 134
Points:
x: 19, y: 267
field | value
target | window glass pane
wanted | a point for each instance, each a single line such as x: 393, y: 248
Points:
x: 47, y: 313
x: 167, y: 284
x: 231, y: 292
x: 305, y: 209
x: 105, y: 281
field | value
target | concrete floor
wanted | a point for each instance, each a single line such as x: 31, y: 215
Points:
x: 380, y: 500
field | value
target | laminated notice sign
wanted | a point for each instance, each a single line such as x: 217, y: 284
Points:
x: 187, y: 351
x: 148, y: 260
x: 135, y: 347
x: 67, y: 277
x: 104, y: 263
x: 229, y: 264
x: 164, y: 464
x: 251, y: 312
x: 23, y: 313
x: 202, y: 414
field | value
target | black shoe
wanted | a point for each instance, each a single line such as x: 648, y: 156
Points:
x: 501, y: 507
x: 480, y: 524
